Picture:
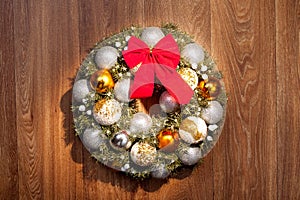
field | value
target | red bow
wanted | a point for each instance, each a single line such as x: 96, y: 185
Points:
x: 160, y: 62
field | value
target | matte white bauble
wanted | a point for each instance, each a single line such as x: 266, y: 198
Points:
x: 121, y: 90
x: 160, y: 172
x: 92, y: 138
x: 106, y: 57
x: 80, y: 90
x: 190, y: 156
x: 140, y: 122
x: 193, y: 53
x: 152, y: 35
x: 213, y: 113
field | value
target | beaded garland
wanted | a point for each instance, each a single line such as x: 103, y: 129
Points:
x: 166, y: 137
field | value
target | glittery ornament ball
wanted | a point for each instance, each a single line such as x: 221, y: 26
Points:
x: 213, y: 113
x: 189, y: 76
x: 140, y: 122
x: 92, y: 138
x: 190, y: 155
x: 80, y: 90
x: 101, y: 81
x: 121, y: 90
x: 152, y: 35
x: 120, y: 140
x: 107, y: 112
x: 167, y: 140
x: 106, y: 57
x: 167, y: 102
x: 193, y: 130
x: 143, y: 154
x: 160, y: 172
x: 210, y: 88
x: 193, y: 53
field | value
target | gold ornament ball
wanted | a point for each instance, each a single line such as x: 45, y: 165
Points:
x: 101, y: 81
x: 210, y: 88
x: 167, y: 140
x: 189, y: 76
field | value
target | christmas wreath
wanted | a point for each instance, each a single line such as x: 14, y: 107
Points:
x: 148, y: 101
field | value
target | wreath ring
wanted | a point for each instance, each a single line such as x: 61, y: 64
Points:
x: 151, y: 136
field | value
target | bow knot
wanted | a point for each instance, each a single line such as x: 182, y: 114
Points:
x: 160, y: 62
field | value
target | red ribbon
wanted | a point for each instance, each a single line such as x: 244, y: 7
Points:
x: 159, y: 62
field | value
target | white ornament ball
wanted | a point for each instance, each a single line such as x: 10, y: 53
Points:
x: 152, y: 35
x: 190, y: 156
x: 92, y: 138
x: 121, y: 90
x: 106, y: 57
x: 161, y: 172
x: 167, y: 102
x: 193, y: 130
x: 140, y: 122
x: 107, y: 112
x: 193, y: 53
x: 80, y: 90
x: 143, y: 154
x: 213, y: 113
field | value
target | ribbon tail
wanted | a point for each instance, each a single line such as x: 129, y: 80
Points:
x: 143, y: 84
x: 176, y: 86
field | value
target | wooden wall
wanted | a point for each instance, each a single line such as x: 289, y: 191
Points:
x: 256, y: 45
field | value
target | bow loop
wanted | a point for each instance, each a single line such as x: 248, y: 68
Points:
x: 160, y: 62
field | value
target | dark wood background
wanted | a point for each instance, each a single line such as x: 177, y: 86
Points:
x: 256, y: 45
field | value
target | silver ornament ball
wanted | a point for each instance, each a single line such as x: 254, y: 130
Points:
x: 106, y: 57
x: 193, y: 53
x: 152, y: 35
x: 190, y: 156
x: 120, y: 141
x: 160, y: 172
x: 213, y: 113
x: 80, y: 90
x: 92, y: 138
x: 167, y: 102
x: 140, y: 122
x: 121, y: 90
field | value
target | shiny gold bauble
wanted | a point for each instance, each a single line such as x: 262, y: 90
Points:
x: 210, y: 88
x: 167, y: 140
x: 101, y: 81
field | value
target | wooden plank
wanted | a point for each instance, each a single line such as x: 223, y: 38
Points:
x: 98, y: 19
x: 47, y: 53
x: 8, y: 131
x: 243, y: 41
x: 192, y: 17
x: 288, y: 98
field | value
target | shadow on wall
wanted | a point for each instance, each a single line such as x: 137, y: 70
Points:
x: 93, y: 170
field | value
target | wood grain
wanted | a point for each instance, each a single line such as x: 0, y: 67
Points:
x: 288, y: 99
x: 8, y: 130
x: 256, y: 45
x: 245, y: 47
